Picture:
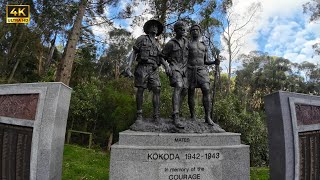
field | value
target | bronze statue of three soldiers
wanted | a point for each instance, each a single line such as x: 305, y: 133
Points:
x: 185, y: 63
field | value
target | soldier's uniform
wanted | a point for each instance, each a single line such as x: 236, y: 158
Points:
x: 197, y: 75
x: 146, y: 72
x: 176, y: 55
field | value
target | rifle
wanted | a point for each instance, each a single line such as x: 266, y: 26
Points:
x: 127, y: 71
x: 216, y: 79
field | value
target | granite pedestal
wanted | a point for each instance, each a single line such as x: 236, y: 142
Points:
x: 177, y: 156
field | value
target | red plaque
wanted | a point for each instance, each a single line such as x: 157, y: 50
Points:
x: 22, y: 106
x: 307, y: 114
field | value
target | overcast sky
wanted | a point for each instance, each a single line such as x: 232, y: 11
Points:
x: 280, y: 30
x: 283, y: 30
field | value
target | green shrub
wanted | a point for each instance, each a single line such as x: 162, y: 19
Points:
x: 117, y: 109
x: 233, y: 118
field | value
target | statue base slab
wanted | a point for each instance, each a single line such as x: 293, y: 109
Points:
x: 167, y: 126
x: 179, y: 156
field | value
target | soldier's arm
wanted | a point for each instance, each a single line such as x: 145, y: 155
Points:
x: 133, y: 55
x: 167, y: 50
x: 207, y: 62
x: 164, y: 57
x: 166, y: 66
x: 216, y: 56
x: 137, y: 45
x: 131, y: 58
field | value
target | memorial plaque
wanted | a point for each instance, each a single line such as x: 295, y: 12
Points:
x: 307, y: 114
x: 22, y: 106
x: 15, y: 149
x: 309, y: 155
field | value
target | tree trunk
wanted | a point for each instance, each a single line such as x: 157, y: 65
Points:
x: 50, y: 54
x: 17, y: 63
x: 163, y: 17
x: 100, y: 69
x: 110, y: 139
x: 117, y: 68
x: 14, y: 70
x: 65, y: 67
x: 13, y: 47
x: 40, y: 63
x: 229, y: 71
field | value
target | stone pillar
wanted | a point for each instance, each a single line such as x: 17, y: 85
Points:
x: 294, y: 135
x: 33, y: 120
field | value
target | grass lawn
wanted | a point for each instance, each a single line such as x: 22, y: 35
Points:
x: 86, y: 164
x: 259, y: 173
x: 82, y: 163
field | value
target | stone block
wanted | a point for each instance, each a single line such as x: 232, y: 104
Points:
x: 293, y: 121
x: 48, y: 123
x: 178, y: 139
x: 166, y: 156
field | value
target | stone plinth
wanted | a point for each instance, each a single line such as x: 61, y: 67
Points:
x: 33, y: 120
x: 166, y: 156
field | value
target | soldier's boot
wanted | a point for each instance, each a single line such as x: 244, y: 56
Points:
x: 156, y: 105
x: 157, y: 119
x: 192, y: 112
x: 193, y: 116
x: 156, y: 114
x: 176, y: 120
x: 139, y: 115
x: 207, y: 110
x: 209, y: 120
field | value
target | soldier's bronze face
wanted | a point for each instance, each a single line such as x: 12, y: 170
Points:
x: 153, y: 29
x: 181, y: 31
x: 195, y: 32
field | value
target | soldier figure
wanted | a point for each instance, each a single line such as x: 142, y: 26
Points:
x: 198, y: 75
x: 176, y: 54
x: 146, y: 51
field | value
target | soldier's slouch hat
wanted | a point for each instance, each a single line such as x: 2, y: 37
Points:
x: 147, y: 25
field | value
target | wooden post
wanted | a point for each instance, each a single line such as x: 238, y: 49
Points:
x: 69, y: 136
x: 90, y: 140
x: 80, y: 132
